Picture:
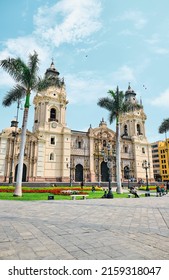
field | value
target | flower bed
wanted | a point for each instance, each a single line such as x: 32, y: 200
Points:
x: 151, y: 188
x: 55, y: 191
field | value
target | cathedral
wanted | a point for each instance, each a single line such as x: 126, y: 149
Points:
x: 55, y: 153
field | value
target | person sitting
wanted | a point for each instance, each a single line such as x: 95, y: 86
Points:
x: 163, y: 190
x: 167, y: 187
x: 82, y: 184
x: 158, y: 190
x: 105, y: 194
x: 133, y: 191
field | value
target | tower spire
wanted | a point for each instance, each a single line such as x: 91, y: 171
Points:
x: 52, y: 71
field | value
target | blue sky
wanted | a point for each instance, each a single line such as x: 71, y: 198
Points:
x: 96, y: 45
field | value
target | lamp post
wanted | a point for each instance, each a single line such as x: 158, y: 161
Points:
x: 70, y: 175
x: 127, y: 171
x: 97, y: 157
x: 69, y: 165
x: 14, y: 134
x: 145, y: 166
x: 108, y: 157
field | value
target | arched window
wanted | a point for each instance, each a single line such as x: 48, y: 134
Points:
x: 52, y: 114
x: 127, y: 172
x: 79, y: 144
x: 125, y: 149
x: 51, y: 157
x: 138, y: 129
x: 125, y: 130
x: 52, y: 140
x: 104, y: 143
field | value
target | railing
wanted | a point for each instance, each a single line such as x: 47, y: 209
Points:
x: 52, y: 120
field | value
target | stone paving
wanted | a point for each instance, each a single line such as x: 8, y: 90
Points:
x: 99, y: 229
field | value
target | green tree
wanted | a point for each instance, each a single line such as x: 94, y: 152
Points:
x: 27, y: 80
x: 164, y: 127
x: 116, y: 106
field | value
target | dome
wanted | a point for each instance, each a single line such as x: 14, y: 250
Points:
x: 52, y: 71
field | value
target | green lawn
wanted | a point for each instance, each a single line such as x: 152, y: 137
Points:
x: 32, y: 196
x: 44, y: 196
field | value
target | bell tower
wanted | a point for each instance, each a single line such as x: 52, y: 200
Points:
x: 50, y: 105
x: 133, y: 136
x: 133, y: 122
x: 50, y: 127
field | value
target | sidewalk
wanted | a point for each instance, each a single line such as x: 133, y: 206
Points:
x: 131, y: 228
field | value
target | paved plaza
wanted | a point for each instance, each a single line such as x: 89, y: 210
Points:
x: 131, y: 228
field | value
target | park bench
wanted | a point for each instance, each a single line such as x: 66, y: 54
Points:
x: 79, y: 195
x: 130, y: 195
x: 151, y: 194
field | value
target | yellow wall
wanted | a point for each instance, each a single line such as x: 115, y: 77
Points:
x: 163, y: 148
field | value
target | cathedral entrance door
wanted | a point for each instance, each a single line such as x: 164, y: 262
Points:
x: 23, y: 174
x: 79, y: 173
x: 104, y: 172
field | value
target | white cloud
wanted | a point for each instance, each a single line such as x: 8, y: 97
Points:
x: 154, y: 39
x: 161, y: 51
x: 126, y: 32
x: 68, y: 21
x: 162, y: 100
x: 23, y: 46
x: 135, y: 17
x: 6, y: 79
x: 83, y: 88
x: 123, y: 74
x: 88, y: 87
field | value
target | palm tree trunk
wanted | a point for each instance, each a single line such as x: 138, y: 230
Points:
x: 18, y: 188
x: 118, y: 158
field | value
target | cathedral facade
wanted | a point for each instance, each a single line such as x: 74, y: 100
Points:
x: 55, y: 153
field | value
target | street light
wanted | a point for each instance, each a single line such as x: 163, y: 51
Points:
x: 108, y: 157
x: 69, y: 165
x: 146, y: 165
x: 127, y: 171
x: 98, y: 156
x: 14, y: 135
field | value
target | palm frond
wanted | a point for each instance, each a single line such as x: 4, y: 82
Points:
x: 33, y: 65
x: 105, y: 103
x: 118, y: 101
x: 14, y: 67
x: 26, y: 77
x: 114, y: 104
x: 17, y: 92
x: 164, y: 127
x: 45, y: 83
x: 112, y: 116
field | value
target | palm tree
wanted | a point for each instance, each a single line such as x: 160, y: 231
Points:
x: 116, y: 105
x: 27, y: 80
x: 164, y: 127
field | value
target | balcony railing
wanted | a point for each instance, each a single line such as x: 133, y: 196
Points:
x: 53, y: 120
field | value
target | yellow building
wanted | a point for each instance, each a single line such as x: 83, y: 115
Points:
x: 156, y: 161
x: 163, y: 148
